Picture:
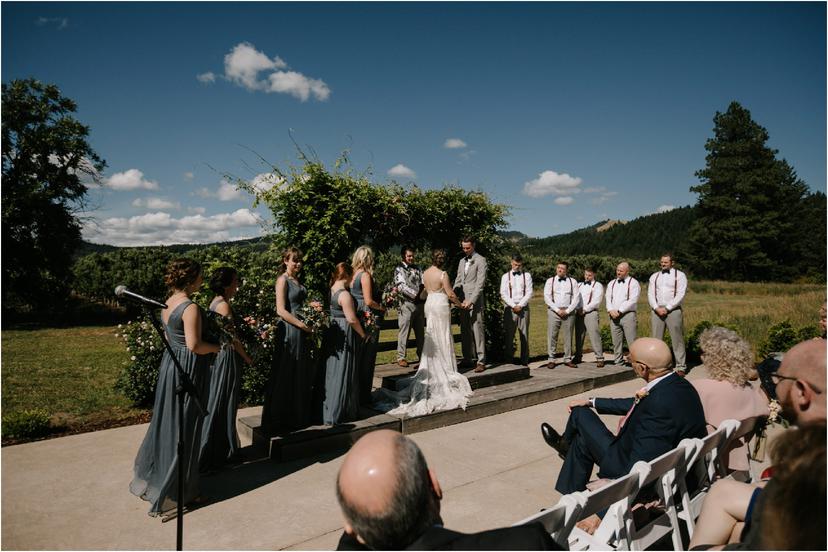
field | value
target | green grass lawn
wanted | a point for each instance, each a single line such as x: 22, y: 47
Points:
x: 70, y: 372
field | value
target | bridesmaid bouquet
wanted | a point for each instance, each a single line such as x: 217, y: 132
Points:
x: 371, y: 323
x: 313, y: 314
x: 220, y: 328
x: 263, y: 331
x: 391, y: 297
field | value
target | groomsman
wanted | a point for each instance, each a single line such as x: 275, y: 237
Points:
x: 622, y: 297
x: 561, y: 296
x: 586, y: 317
x: 516, y: 291
x: 468, y: 285
x: 409, y: 281
x: 665, y: 295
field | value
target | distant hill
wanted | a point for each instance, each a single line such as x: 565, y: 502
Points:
x: 641, y: 238
x: 258, y: 244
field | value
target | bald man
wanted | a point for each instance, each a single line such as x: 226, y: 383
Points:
x: 661, y: 414
x: 391, y: 501
x: 800, y: 383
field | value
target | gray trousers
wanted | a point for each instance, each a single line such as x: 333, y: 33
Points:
x: 410, y: 316
x: 621, y: 328
x: 471, y: 330
x: 556, y: 324
x: 516, y: 321
x: 588, y: 324
x: 674, y: 321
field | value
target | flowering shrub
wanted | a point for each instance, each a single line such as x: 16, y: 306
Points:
x: 138, y: 378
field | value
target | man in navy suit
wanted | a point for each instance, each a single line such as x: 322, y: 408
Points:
x: 391, y: 501
x: 660, y: 415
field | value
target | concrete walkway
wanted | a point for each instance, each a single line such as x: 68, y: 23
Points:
x: 72, y: 493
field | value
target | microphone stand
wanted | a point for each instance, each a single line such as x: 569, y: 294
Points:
x: 184, y: 386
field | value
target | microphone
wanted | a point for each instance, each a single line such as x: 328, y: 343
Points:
x: 124, y: 293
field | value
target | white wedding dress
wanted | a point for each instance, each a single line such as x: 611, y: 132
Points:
x: 437, y: 385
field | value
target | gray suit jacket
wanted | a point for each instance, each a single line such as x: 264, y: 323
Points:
x: 470, y: 284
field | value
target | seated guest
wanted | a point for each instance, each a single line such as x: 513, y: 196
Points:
x: 727, y: 394
x: 800, y: 389
x: 391, y: 501
x: 660, y: 415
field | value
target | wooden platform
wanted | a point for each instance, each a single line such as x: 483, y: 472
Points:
x: 499, y: 389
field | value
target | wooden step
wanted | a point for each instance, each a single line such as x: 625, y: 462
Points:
x: 538, y: 385
x: 496, y: 375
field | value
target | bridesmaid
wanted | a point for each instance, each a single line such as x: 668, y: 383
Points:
x: 367, y: 296
x: 219, y: 438
x: 289, y: 395
x: 156, y: 465
x: 343, y: 340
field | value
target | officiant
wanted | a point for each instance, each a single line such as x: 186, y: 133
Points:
x: 408, y: 278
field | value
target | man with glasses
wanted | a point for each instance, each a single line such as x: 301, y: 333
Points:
x: 664, y: 412
x: 799, y: 383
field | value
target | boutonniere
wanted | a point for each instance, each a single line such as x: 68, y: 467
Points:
x: 470, y: 262
x: 640, y: 394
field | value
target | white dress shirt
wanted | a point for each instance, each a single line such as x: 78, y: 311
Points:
x: 516, y: 289
x: 667, y: 290
x: 559, y: 294
x: 591, y: 295
x: 623, y: 296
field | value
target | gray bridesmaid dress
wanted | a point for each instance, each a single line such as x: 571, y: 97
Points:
x: 289, y: 395
x: 156, y: 465
x: 368, y: 353
x: 342, y: 345
x: 219, y: 437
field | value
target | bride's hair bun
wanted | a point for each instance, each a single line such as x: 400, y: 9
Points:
x: 438, y: 257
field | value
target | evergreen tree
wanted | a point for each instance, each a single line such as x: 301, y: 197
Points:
x: 749, y: 205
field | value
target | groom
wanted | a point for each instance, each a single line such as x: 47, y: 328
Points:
x: 468, y: 285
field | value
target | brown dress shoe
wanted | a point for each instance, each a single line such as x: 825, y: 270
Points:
x: 479, y: 368
x: 600, y: 364
x: 570, y: 364
x: 551, y: 364
x: 402, y: 362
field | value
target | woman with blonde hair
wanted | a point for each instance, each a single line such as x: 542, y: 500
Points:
x: 367, y: 296
x: 727, y: 393
x: 289, y: 395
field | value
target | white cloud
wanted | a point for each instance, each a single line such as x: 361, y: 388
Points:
x: 226, y: 191
x: 206, y: 78
x: 454, y: 143
x: 60, y: 22
x: 564, y: 200
x: 162, y: 229
x: 595, y: 190
x: 265, y: 181
x: 155, y: 203
x: 550, y: 182
x: 132, y: 179
x: 604, y: 197
x: 196, y: 210
x: 401, y: 171
x: 665, y: 208
x: 244, y: 63
x: 188, y: 176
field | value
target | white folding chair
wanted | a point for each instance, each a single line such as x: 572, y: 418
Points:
x: 705, y: 466
x: 668, y: 473
x: 559, y: 520
x: 616, y: 526
x: 742, y: 435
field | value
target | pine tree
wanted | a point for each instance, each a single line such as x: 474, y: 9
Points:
x: 749, y: 203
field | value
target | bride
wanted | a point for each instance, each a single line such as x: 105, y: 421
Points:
x: 437, y: 385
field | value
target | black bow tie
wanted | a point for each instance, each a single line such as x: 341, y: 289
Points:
x: 621, y: 280
x: 561, y: 279
x: 587, y: 283
x: 468, y: 259
x: 665, y: 271
x: 518, y: 273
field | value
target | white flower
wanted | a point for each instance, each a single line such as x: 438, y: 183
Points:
x: 132, y: 357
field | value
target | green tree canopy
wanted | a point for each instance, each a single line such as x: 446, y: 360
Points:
x: 45, y: 157
x: 750, y: 206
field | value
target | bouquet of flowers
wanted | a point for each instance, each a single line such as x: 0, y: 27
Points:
x: 391, y: 296
x: 264, y: 331
x: 760, y: 443
x: 220, y: 328
x: 313, y: 314
x: 371, y: 323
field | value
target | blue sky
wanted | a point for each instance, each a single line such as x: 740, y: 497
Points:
x: 568, y: 112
